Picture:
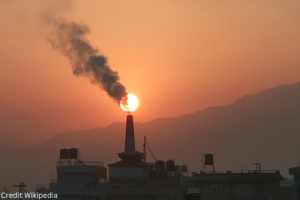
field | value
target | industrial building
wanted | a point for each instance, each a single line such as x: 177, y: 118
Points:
x: 129, y: 178
x: 250, y: 184
x: 254, y: 185
x: 132, y: 178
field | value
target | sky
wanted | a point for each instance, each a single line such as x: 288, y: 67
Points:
x: 177, y: 57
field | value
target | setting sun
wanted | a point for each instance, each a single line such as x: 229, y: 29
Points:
x: 129, y: 103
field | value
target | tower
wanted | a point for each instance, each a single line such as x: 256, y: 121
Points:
x: 130, y: 155
x: 131, y: 168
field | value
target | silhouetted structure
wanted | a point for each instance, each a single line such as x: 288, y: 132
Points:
x: 129, y: 178
x: 76, y: 179
x: 287, y: 189
x: 208, y: 160
x: 64, y: 154
x: 131, y: 168
x: 170, y: 165
x: 253, y: 184
x: 295, y: 171
x: 20, y: 186
x: 133, y: 178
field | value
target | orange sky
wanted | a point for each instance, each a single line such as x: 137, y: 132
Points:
x: 176, y: 56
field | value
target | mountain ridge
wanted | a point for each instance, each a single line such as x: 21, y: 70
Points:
x: 256, y: 128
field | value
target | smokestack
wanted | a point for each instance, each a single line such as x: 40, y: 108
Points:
x: 130, y: 154
x: 129, y: 138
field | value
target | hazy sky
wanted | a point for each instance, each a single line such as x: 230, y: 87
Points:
x: 176, y: 56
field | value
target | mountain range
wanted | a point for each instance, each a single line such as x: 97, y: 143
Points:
x: 262, y: 128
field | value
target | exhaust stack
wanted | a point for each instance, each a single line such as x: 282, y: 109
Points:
x: 129, y: 138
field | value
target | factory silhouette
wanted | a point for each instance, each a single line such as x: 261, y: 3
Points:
x: 132, y: 178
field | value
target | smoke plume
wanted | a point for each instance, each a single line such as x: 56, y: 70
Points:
x: 69, y: 39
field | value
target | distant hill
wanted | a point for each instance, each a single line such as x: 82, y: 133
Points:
x: 263, y: 128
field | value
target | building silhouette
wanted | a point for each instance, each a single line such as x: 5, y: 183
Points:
x: 131, y: 178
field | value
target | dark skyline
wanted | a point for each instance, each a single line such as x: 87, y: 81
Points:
x: 262, y: 128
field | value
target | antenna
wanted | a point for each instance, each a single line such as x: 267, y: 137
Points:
x: 257, y: 166
x: 146, y: 143
x: 144, y: 149
x: 20, y: 186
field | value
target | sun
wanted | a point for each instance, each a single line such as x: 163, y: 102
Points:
x: 129, y: 103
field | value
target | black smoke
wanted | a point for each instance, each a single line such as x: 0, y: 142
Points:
x: 70, y: 39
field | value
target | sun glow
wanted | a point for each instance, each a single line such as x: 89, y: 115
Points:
x: 129, y: 103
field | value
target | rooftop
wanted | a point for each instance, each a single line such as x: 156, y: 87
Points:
x: 249, y: 175
x: 78, y: 162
